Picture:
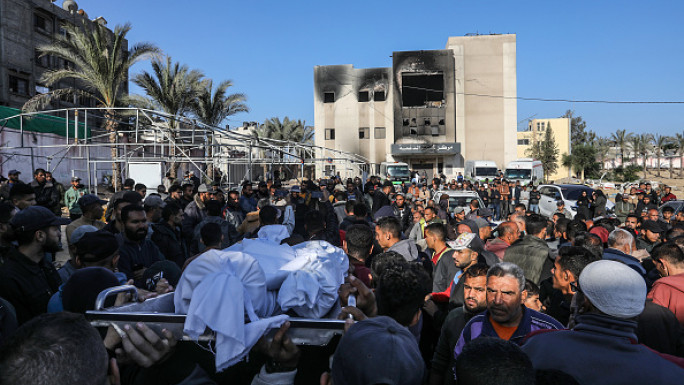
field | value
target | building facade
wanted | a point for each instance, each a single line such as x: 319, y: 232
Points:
x: 536, y: 131
x: 432, y: 109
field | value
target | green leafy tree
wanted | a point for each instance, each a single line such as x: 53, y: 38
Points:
x: 546, y: 151
x: 582, y: 160
x: 171, y: 88
x: 621, y: 140
x: 602, y: 148
x: 101, y: 66
x: 578, y: 135
x: 213, y: 106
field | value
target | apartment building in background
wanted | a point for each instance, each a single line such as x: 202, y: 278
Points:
x: 433, y: 109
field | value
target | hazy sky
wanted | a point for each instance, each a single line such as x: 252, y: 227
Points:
x: 579, y: 50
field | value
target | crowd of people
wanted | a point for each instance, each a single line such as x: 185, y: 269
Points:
x: 434, y: 294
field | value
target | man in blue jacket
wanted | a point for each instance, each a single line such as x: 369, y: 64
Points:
x: 506, y: 317
x: 602, y: 348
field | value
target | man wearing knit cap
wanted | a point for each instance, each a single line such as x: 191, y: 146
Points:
x: 602, y: 348
x: 389, y: 355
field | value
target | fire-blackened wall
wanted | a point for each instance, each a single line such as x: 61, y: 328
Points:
x: 424, y: 96
x: 356, y: 105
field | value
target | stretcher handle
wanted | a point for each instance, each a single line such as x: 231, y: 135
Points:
x: 113, y: 291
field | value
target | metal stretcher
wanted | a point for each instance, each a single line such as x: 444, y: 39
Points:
x: 158, y: 313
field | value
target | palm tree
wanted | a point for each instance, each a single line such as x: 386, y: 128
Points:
x: 172, y: 88
x: 645, y: 146
x: 602, y: 148
x: 621, y: 138
x: 635, y: 145
x: 661, y: 144
x: 288, y: 130
x: 101, y: 65
x: 213, y: 106
x: 679, y: 142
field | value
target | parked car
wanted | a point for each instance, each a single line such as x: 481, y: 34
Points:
x: 459, y: 199
x: 676, y: 205
x: 550, y: 194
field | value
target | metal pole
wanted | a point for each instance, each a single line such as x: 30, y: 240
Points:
x: 90, y: 186
x: 33, y: 165
x: 95, y: 166
x: 137, y: 119
x: 66, y: 122
x: 21, y: 129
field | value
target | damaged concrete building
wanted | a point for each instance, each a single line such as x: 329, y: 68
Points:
x: 432, y: 109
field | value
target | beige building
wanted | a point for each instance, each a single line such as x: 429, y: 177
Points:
x: 536, y: 130
x: 431, y: 109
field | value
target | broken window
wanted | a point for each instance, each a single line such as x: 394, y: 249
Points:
x: 379, y: 96
x: 426, y: 122
x: 405, y: 122
x: 379, y: 132
x: 329, y: 134
x: 364, y: 133
x: 40, y: 23
x: 329, y: 97
x: 419, y: 89
x: 364, y: 96
x: 18, y: 85
x: 42, y: 61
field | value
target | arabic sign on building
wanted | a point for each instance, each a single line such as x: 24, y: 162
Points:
x: 426, y: 149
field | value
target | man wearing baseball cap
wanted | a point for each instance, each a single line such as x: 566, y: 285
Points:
x: 71, y: 197
x: 602, y: 348
x: 649, y: 236
x: 27, y: 279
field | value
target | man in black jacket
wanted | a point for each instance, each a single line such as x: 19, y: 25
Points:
x: 167, y: 235
x: 47, y: 194
x: 27, y: 280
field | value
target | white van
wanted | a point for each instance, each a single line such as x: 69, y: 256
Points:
x: 395, y: 172
x: 479, y: 170
x: 525, y: 170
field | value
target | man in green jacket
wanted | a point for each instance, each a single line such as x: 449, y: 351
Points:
x: 531, y: 253
x: 71, y: 197
x: 623, y: 207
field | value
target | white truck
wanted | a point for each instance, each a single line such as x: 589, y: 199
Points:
x: 525, y: 170
x: 395, y: 172
x: 479, y: 170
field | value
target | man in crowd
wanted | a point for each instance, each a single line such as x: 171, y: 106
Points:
x: 91, y: 209
x: 570, y: 262
x: 167, y: 235
x: 649, y: 236
x: 248, y: 200
x: 506, y: 317
x: 620, y: 248
x: 623, y: 208
x: 115, y: 224
x: 358, y: 245
x: 560, y: 209
x: 22, y: 196
x: 474, y: 303
x: 153, y: 206
x: 27, y: 279
x: 47, y: 194
x: 602, y: 347
x: 136, y: 251
x: 71, y: 197
x: 508, y: 232
x: 668, y: 291
x: 388, y: 235
x: 6, y: 187
x: 442, y: 257
x: 196, y: 210
x: 532, y: 253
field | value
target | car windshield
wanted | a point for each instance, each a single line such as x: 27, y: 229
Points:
x: 486, y: 171
x: 398, y: 171
x: 573, y: 193
x: 518, y: 173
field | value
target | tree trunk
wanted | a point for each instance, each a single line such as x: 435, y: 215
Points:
x: 658, y: 160
x: 111, y: 125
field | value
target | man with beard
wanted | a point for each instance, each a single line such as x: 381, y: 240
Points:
x: 232, y: 212
x: 167, y: 235
x: 46, y: 192
x: 402, y: 211
x: 136, y: 252
x: 506, y: 317
x: 475, y: 302
x: 27, y: 279
x: 6, y: 187
x: 248, y: 200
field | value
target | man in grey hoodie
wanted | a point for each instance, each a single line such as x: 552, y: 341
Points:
x: 388, y: 234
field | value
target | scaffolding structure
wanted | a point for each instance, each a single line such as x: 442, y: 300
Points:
x: 144, y: 135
